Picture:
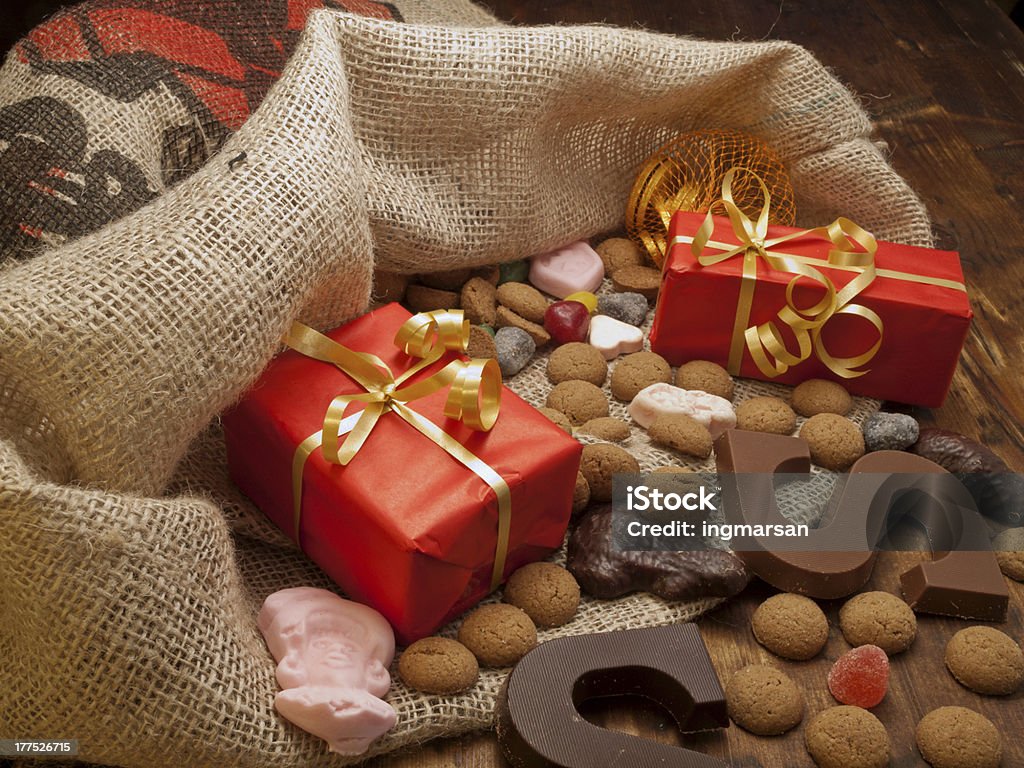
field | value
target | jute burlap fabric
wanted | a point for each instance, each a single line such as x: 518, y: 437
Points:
x: 130, y: 569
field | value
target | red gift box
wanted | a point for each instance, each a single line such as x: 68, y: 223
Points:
x: 403, y: 527
x: 917, y: 295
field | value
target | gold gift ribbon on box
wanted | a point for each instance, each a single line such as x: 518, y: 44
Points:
x: 474, y: 398
x: 853, y: 249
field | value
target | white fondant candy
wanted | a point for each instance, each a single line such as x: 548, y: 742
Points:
x: 714, y: 412
x: 613, y: 337
x: 574, y: 267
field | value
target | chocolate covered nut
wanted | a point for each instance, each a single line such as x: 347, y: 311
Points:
x: 890, y: 431
x: 580, y: 494
x: 506, y: 318
x: 388, y: 286
x: 515, y: 348
x: 1009, y: 548
x: 766, y: 414
x: 763, y: 700
x: 449, y: 280
x: 847, y: 737
x: 420, y: 298
x: 707, y: 377
x: 790, y: 626
x: 546, y: 592
x: 558, y: 417
x: 523, y: 299
x: 619, y: 252
x: 498, y: 634
x: 479, y: 301
x: 481, y: 343
x: 682, y: 433
x: 638, y: 279
x: 539, y: 726
x: 878, y: 618
x: 438, y: 665
x: 581, y: 401
x: 986, y: 661
x: 599, y: 463
x: 636, y: 371
x: 607, y: 428
x: 957, y: 737
x: 835, y: 442
x: 816, y: 396
x: 606, y: 573
x: 577, y: 361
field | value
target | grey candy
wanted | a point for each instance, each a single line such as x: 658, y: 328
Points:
x: 890, y: 431
x: 515, y: 348
x: 628, y: 307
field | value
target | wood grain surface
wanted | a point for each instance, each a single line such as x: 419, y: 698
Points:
x: 944, y: 84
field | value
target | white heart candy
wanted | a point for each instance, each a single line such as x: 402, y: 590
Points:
x: 714, y: 412
x: 613, y: 337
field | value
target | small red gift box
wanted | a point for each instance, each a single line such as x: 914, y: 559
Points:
x: 899, y: 338
x: 403, y: 527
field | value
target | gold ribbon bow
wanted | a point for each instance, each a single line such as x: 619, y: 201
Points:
x: 853, y: 248
x: 474, y: 398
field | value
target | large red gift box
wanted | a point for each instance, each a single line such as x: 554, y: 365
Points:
x: 404, y: 527
x: 917, y: 295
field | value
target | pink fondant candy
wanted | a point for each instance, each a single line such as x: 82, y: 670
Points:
x: 333, y: 656
x: 572, y: 268
x: 712, y: 411
x: 614, y: 337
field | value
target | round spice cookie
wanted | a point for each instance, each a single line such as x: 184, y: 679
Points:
x: 790, y: 626
x: 547, y: 593
x: 682, y: 433
x: 1009, y: 549
x: 498, y: 634
x: 764, y: 701
x: 816, y: 396
x: 847, y: 737
x: 449, y: 280
x: 599, y: 462
x: 481, y: 343
x: 420, y: 298
x: 577, y: 361
x: 878, y: 618
x: 558, y: 417
x: 636, y: 371
x: 706, y: 376
x: 479, y: 301
x: 607, y: 428
x: 505, y: 317
x: 581, y: 401
x: 525, y: 300
x: 766, y: 414
x: 619, y: 252
x: 580, y: 494
x: 438, y: 665
x: 834, y: 441
x: 638, y: 279
x: 957, y: 737
x: 986, y: 661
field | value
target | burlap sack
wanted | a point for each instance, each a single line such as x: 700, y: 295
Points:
x: 130, y: 569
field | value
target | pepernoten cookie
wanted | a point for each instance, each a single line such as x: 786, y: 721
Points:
x: 847, y: 737
x: 607, y: 428
x: 580, y: 494
x: 986, y: 661
x: 498, y: 634
x: 420, y: 298
x: 638, y: 279
x: 790, y: 626
x: 682, y: 433
x: 1009, y: 549
x: 438, y: 665
x: 957, y: 737
x: 834, y: 441
x: 581, y: 401
x: 506, y: 318
x: 599, y: 463
x: 707, y: 377
x: 577, y: 361
x: 523, y: 299
x: 816, y: 396
x: 766, y: 414
x: 878, y: 618
x: 479, y: 301
x: 764, y: 701
x: 637, y: 371
x: 546, y: 592
x: 558, y: 417
x: 618, y: 252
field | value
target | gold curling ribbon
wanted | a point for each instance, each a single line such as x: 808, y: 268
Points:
x: 474, y: 398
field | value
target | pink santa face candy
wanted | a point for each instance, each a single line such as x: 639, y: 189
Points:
x: 613, y: 337
x: 574, y: 267
x: 860, y: 678
x: 333, y: 656
x: 714, y: 412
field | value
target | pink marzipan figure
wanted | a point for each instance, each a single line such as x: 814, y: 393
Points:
x: 333, y: 656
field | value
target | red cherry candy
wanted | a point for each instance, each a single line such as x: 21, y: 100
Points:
x: 567, y: 321
x: 860, y: 677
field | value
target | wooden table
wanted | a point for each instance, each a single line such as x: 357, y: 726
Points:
x: 944, y: 83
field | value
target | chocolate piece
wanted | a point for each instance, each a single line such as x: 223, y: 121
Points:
x: 606, y: 573
x: 965, y: 582
x: 538, y: 723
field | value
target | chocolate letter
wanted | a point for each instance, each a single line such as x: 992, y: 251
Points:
x: 538, y: 723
